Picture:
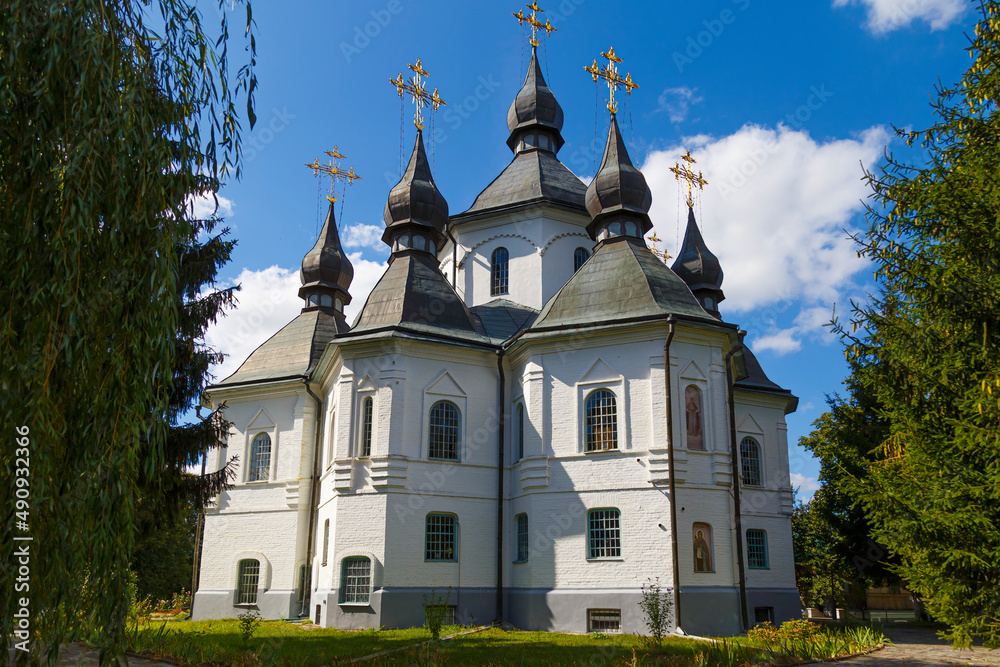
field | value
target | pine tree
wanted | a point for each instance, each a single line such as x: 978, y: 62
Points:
x: 927, y: 347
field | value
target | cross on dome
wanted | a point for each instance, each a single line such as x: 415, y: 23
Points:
x: 333, y: 170
x: 686, y: 173
x: 610, y: 74
x: 533, y: 21
x: 415, y: 87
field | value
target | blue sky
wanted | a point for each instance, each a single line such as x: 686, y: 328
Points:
x: 782, y: 104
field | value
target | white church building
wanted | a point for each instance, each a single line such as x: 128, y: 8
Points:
x: 532, y: 416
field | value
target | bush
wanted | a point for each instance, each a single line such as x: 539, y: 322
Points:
x: 799, y: 629
x: 249, y: 623
x: 435, y: 610
x: 764, y: 633
x: 657, y: 607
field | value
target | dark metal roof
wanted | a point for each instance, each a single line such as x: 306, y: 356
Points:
x: 696, y: 265
x: 414, y: 295
x: 535, y: 107
x: 415, y: 200
x: 326, y: 267
x: 292, y: 352
x: 756, y: 378
x: 623, y: 280
x: 533, y: 175
x: 618, y: 190
x: 502, y: 318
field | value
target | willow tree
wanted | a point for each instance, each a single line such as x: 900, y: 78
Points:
x: 927, y: 346
x: 113, y: 115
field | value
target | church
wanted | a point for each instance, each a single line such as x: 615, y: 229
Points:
x: 532, y: 417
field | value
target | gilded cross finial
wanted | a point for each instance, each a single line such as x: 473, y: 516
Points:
x: 654, y: 239
x: 686, y: 173
x: 415, y: 87
x: 533, y: 21
x: 333, y: 170
x: 610, y: 74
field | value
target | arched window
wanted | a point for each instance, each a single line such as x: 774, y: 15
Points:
x: 702, y: 534
x: 750, y: 467
x: 522, y: 538
x: 247, y: 579
x: 756, y: 549
x: 439, y: 538
x: 604, y: 531
x: 580, y: 255
x: 326, y: 542
x: 499, y: 273
x: 444, y: 425
x: 692, y: 410
x: 356, y: 580
x: 260, y: 458
x: 520, y: 431
x: 367, y: 409
x: 601, y: 421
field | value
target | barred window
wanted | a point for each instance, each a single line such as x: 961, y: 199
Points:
x: 444, y: 431
x: 260, y: 458
x: 580, y: 255
x: 326, y: 541
x: 440, y: 537
x: 757, y: 549
x: 305, y: 585
x: 367, y: 408
x: 750, y: 462
x: 247, y: 578
x: 605, y: 533
x: 604, y: 620
x: 356, y: 581
x: 522, y: 538
x: 499, y: 272
x: 520, y: 431
x: 601, y: 421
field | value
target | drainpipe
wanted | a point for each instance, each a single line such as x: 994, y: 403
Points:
x: 500, y: 463
x: 454, y: 259
x: 670, y: 458
x: 314, y: 496
x: 735, y: 462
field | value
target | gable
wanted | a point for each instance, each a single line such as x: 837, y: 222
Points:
x: 749, y: 425
x: 262, y: 421
x: 693, y: 372
x: 599, y: 372
x: 445, y: 385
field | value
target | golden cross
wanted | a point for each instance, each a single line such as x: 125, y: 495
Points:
x: 333, y: 170
x: 415, y: 87
x: 610, y: 73
x: 654, y: 239
x: 535, y: 24
x: 686, y: 173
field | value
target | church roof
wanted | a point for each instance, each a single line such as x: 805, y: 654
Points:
x: 696, y: 264
x: 413, y: 295
x: 619, y: 189
x: 535, y: 107
x: 756, y: 378
x: 326, y: 266
x: 623, y: 280
x: 534, y: 175
x: 415, y: 200
x: 292, y: 352
x: 502, y: 318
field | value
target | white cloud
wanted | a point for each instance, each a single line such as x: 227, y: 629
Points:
x: 887, y: 15
x: 807, y: 486
x: 268, y: 300
x: 677, y: 102
x: 774, y: 211
x: 203, y: 206
x: 364, y: 236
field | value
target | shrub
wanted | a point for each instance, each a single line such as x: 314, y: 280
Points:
x: 435, y: 610
x: 249, y: 623
x: 764, y: 633
x: 798, y: 629
x: 657, y: 607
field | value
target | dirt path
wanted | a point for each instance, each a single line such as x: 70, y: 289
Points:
x: 920, y: 647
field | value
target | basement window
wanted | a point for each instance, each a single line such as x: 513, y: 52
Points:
x: 604, y: 620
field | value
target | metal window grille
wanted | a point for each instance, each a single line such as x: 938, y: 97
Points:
x: 756, y: 548
x: 440, y: 540
x: 580, y: 256
x: 605, y: 531
x: 326, y: 541
x: 520, y: 431
x: 444, y: 431
x: 601, y: 421
x: 356, y: 580
x: 499, y: 272
x: 750, y: 462
x: 604, y: 620
x: 305, y: 585
x: 246, y: 584
x: 522, y: 538
x: 260, y: 458
x: 367, y: 408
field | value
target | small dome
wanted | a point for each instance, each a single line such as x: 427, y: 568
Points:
x: 326, y: 267
x: 696, y: 265
x: 618, y: 190
x: 535, y: 107
x: 415, y: 200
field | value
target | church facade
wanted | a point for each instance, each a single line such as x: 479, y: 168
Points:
x: 532, y: 417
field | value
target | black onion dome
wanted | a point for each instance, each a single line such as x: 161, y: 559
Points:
x: 619, y: 190
x: 535, y: 107
x: 415, y: 200
x: 696, y: 264
x: 326, y: 268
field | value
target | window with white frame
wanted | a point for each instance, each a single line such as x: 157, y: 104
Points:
x: 756, y: 549
x: 600, y: 421
x: 520, y: 431
x: 750, y: 464
x: 260, y: 458
x: 444, y: 430
x: 326, y: 541
x: 247, y: 579
x: 439, y: 542
x: 604, y: 533
x: 367, y: 418
x: 356, y: 580
x: 499, y: 272
x: 522, y: 538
